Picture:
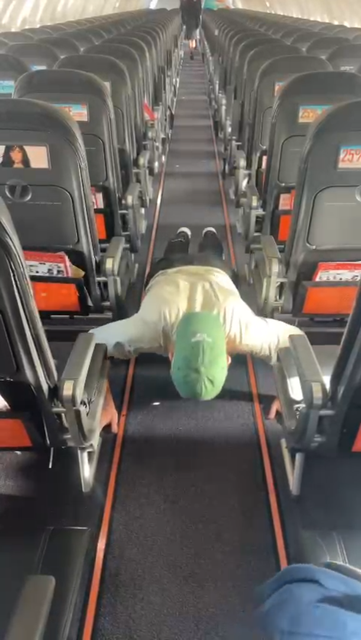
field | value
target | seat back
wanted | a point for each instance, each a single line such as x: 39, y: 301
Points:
x: 17, y: 37
x: 147, y: 71
x: 82, y: 39
x: 323, y: 252
x: 270, y: 81
x: 242, y: 54
x: 347, y: 57
x: 37, y: 32
x: 130, y: 62
x: 88, y: 101
x: 11, y: 68
x: 323, y: 46
x: 27, y: 371
x: 44, y: 182
x: 34, y: 54
x: 345, y: 387
x: 302, y: 100
x: 62, y: 46
x: 254, y: 64
x: 303, y: 40
x: 114, y: 74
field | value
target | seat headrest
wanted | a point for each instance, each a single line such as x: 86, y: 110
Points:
x: 80, y: 36
x: 62, y: 45
x: 59, y: 81
x: 326, y: 43
x: 33, y: 52
x: 345, y: 51
x: 278, y: 48
x: 33, y: 115
x: 17, y: 37
x: 106, y: 67
x: 118, y: 51
x: 294, y: 64
x: 12, y: 64
x: 326, y: 83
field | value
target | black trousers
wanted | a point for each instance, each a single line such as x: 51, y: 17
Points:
x: 210, y: 254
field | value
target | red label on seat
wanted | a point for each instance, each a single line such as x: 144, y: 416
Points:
x: 337, y: 272
x: 41, y: 263
x: 287, y: 201
x: 97, y: 197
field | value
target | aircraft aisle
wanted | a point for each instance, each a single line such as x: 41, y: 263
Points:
x: 191, y: 536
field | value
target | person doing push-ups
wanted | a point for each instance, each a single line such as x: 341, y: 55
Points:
x: 193, y: 314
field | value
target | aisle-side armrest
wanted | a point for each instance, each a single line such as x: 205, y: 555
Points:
x: 32, y: 609
x: 132, y: 195
x: 267, y: 272
x: 314, y: 390
x: 74, y: 376
x: 82, y: 388
x: 113, y: 256
x: 270, y: 249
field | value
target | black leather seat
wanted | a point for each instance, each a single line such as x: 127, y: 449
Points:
x: 319, y: 391
x: 44, y: 409
x: 347, y: 57
x: 37, y: 32
x: 323, y: 46
x: 130, y: 61
x: 62, y: 46
x: 80, y: 37
x: 290, y: 124
x: 114, y: 74
x: 51, y: 205
x: 17, y: 37
x: 34, y: 54
x: 117, y: 213
x: 324, y: 227
x: 254, y: 64
x: 11, y: 68
x: 270, y: 81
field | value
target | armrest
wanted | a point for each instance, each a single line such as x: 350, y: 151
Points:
x: 269, y: 248
x: 312, y: 384
x: 143, y: 159
x: 253, y: 198
x: 112, y: 258
x: 32, y: 610
x: 74, y: 376
x: 132, y: 195
x: 344, y: 569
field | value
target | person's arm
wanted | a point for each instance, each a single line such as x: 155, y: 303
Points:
x: 263, y: 337
x: 129, y: 337
x: 260, y: 337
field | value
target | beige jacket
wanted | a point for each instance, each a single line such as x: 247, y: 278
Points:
x: 174, y: 292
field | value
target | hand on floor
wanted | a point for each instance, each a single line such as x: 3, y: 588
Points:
x: 109, y: 415
x: 275, y: 408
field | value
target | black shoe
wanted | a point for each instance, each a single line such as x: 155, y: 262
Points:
x: 211, y: 231
x: 192, y: 55
x: 184, y: 234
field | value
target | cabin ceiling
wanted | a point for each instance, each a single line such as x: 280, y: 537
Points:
x: 346, y: 12
x: 18, y: 14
